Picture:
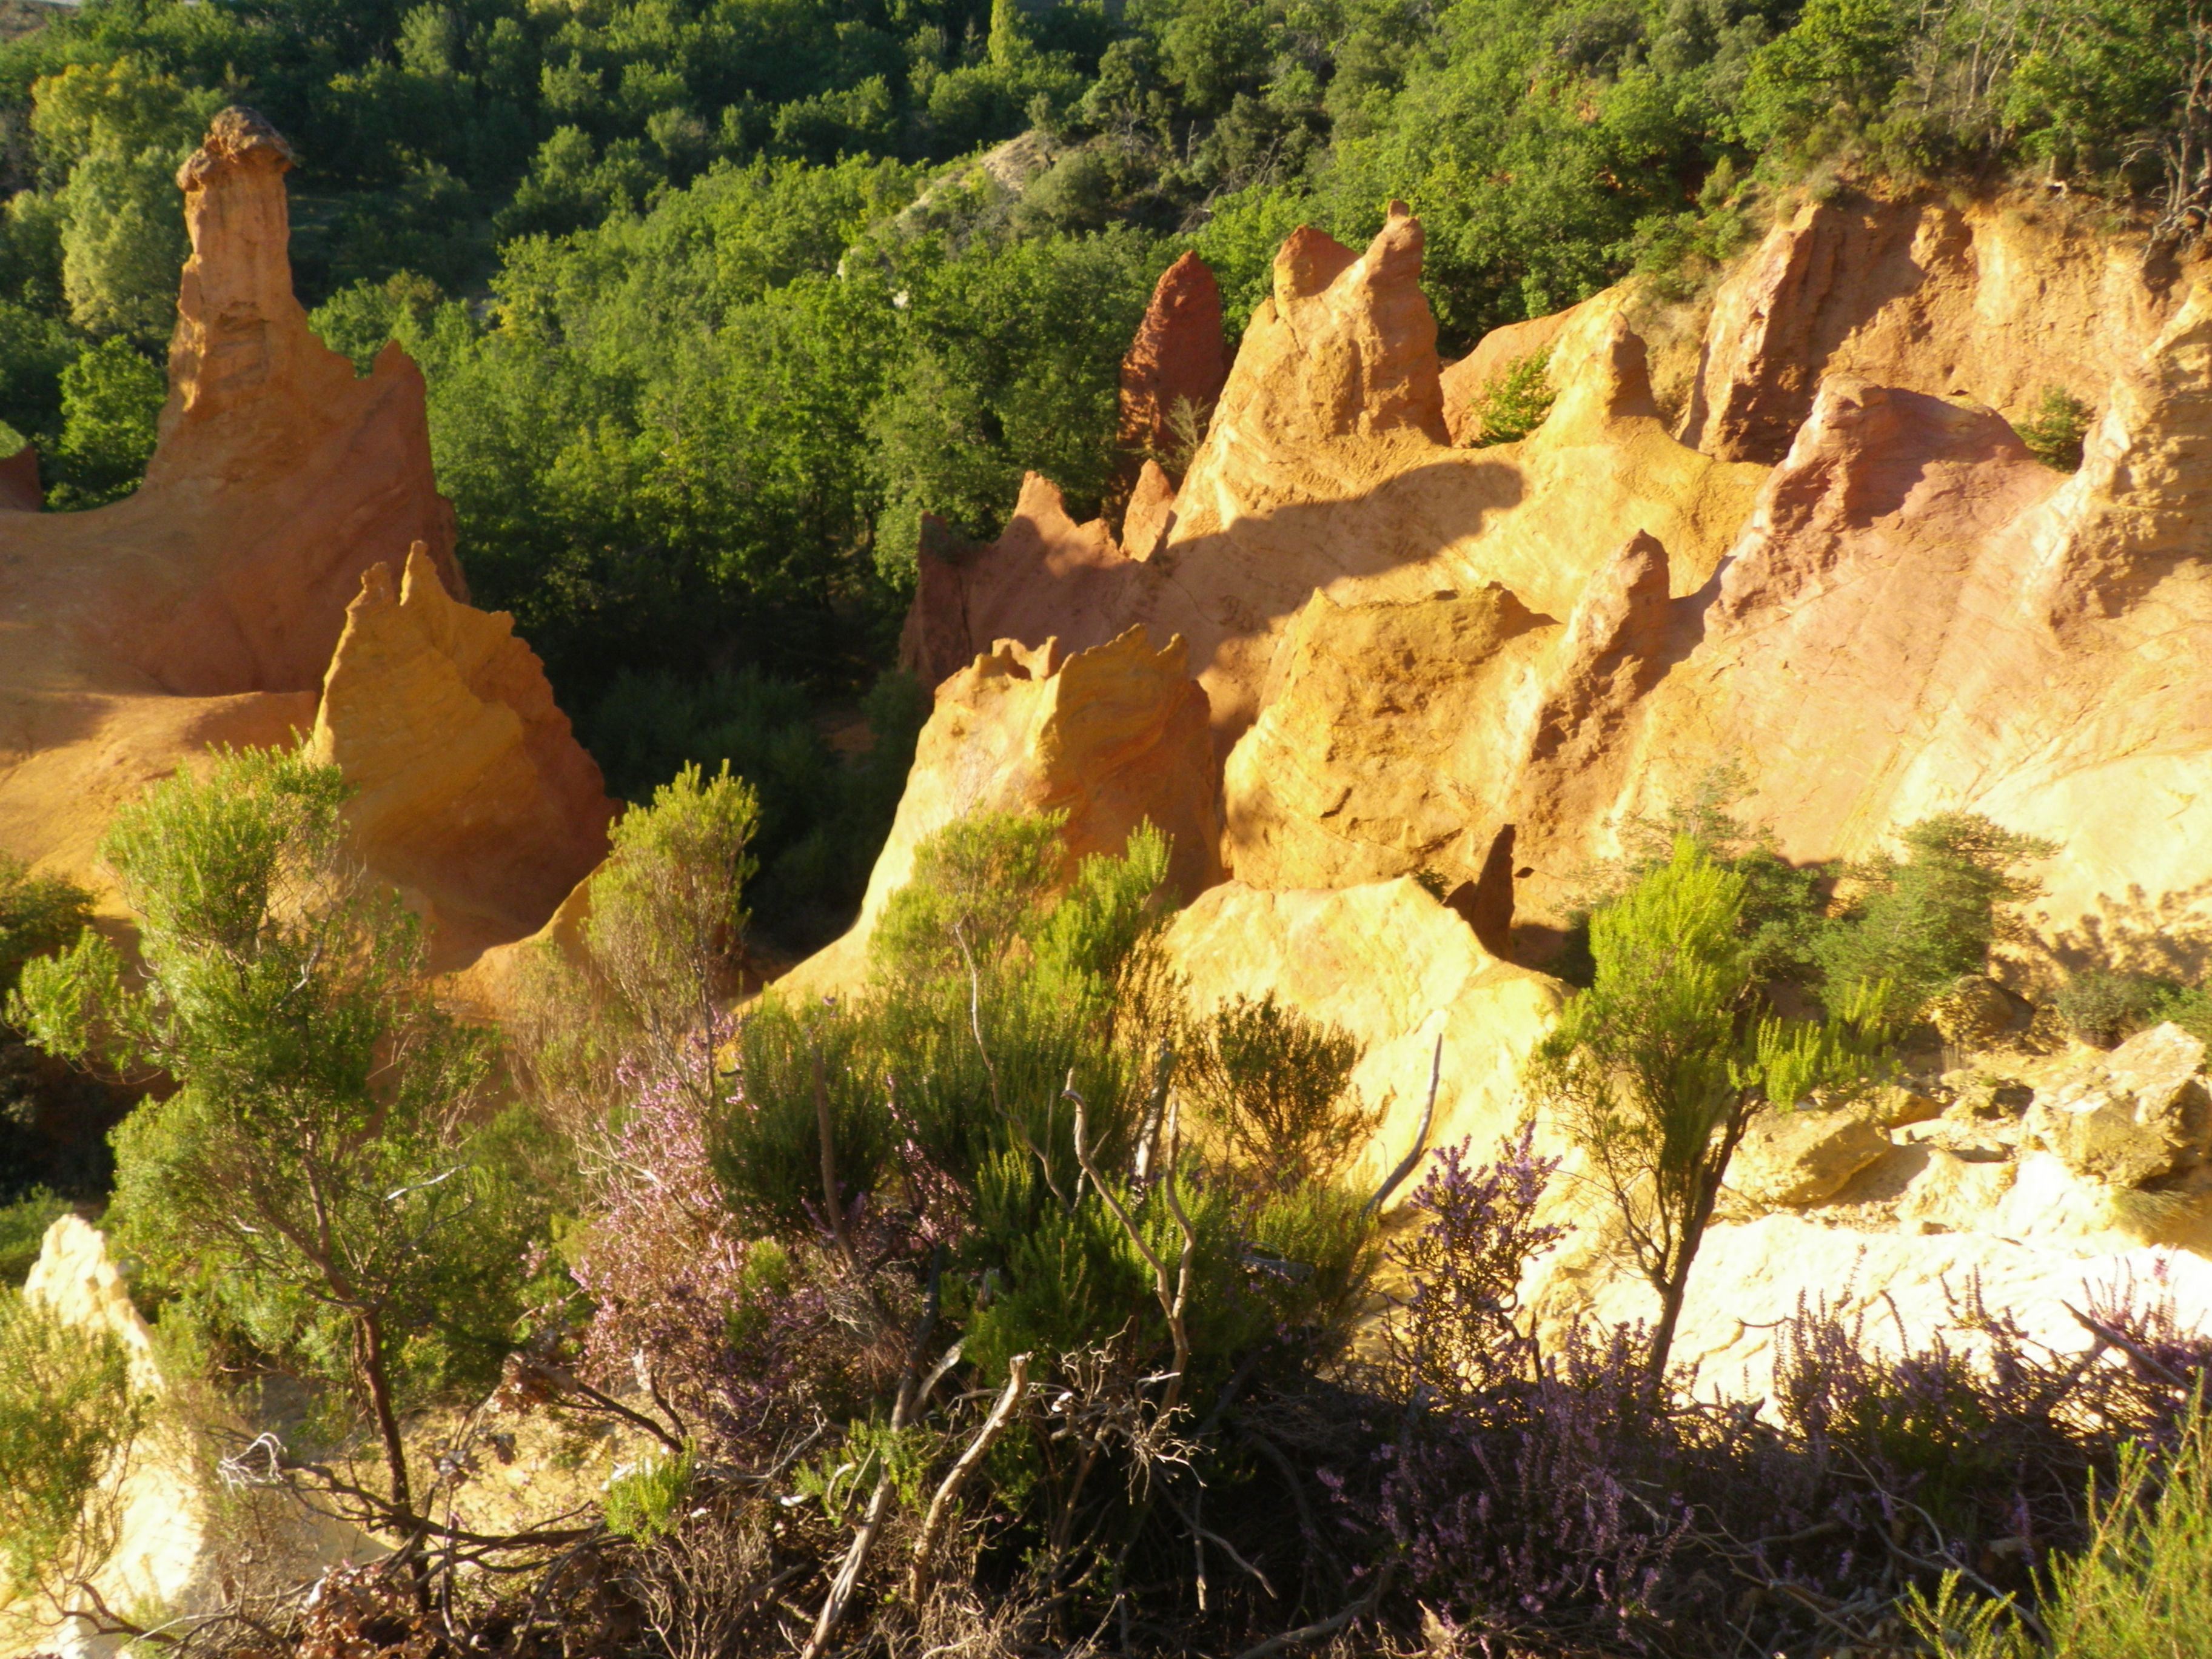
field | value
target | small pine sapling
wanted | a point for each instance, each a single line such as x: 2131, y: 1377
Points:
x: 2054, y: 433
x: 1657, y: 1070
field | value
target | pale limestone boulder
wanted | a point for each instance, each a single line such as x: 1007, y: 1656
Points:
x: 1898, y: 1106
x: 162, y: 1541
x: 1397, y: 969
x: 2131, y: 1116
x: 1802, y: 1157
x: 1749, y: 1279
x: 1951, y: 1194
x: 175, y: 1548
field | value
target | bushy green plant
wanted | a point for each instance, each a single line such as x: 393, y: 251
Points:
x: 2053, y: 433
x: 641, y: 1502
x: 1011, y: 993
x: 1784, y: 907
x: 979, y: 884
x: 2103, y: 1008
x: 1921, y: 923
x: 310, y: 1187
x: 1276, y: 1089
x: 52, y: 1119
x: 1515, y: 403
x: 1658, y: 1068
x: 2140, y: 1589
x: 110, y: 400
x: 69, y: 1412
x: 23, y: 1226
x: 38, y: 914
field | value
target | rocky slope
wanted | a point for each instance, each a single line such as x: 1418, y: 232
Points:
x: 1826, y: 560
x: 209, y: 607
x: 1833, y: 567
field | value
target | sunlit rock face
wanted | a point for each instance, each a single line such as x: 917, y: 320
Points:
x: 206, y: 608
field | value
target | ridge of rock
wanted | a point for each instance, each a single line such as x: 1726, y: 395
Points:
x: 470, y: 791
x: 1993, y: 301
x: 1114, y: 735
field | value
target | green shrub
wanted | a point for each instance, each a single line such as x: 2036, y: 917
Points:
x: 1922, y: 923
x: 2104, y: 1008
x: 1275, y: 1088
x: 2053, y: 433
x: 640, y: 1502
x: 1515, y: 403
x: 1658, y: 1068
x: 2140, y: 1589
x: 1007, y: 986
x: 23, y: 1226
x: 67, y: 1412
x: 300, y: 1194
x: 38, y: 914
x: 1784, y: 912
x: 823, y: 819
x: 111, y: 400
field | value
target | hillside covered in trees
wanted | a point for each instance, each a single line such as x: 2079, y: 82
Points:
x: 715, y: 301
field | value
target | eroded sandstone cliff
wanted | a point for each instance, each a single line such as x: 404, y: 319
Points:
x: 206, y: 608
x: 1442, y: 681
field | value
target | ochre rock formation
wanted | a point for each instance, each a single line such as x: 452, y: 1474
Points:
x: 1464, y: 381
x: 1910, y: 615
x: 1178, y: 356
x: 1397, y: 971
x: 1044, y: 563
x: 1349, y: 776
x: 204, y: 609
x: 1999, y: 303
x: 1113, y: 736
x: 472, y: 794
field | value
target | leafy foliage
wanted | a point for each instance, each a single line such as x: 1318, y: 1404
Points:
x: 52, y: 1118
x: 1513, y: 404
x: 1276, y: 1089
x: 1919, y: 923
x: 2137, y: 1587
x: 2054, y: 433
x: 69, y: 1410
x: 308, y: 1191
x: 1657, y: 1069
x: 23, y: 1226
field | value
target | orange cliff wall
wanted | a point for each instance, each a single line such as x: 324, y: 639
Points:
x: 1476, y: 666
x: 206, y: 608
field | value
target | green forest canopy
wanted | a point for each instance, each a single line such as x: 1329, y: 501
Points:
x: 711, y: 310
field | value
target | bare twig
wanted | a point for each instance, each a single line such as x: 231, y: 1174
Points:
x: 879, y: 1501
x: 948, y: 1491
x: 1149, y: 1137
x: 1306, y: 1635
x: 1420, y: 1136
x: 2104, y: 1332
x: 832, y: 1204
x: 1171, y: 1301
x: 1209, y: 1535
